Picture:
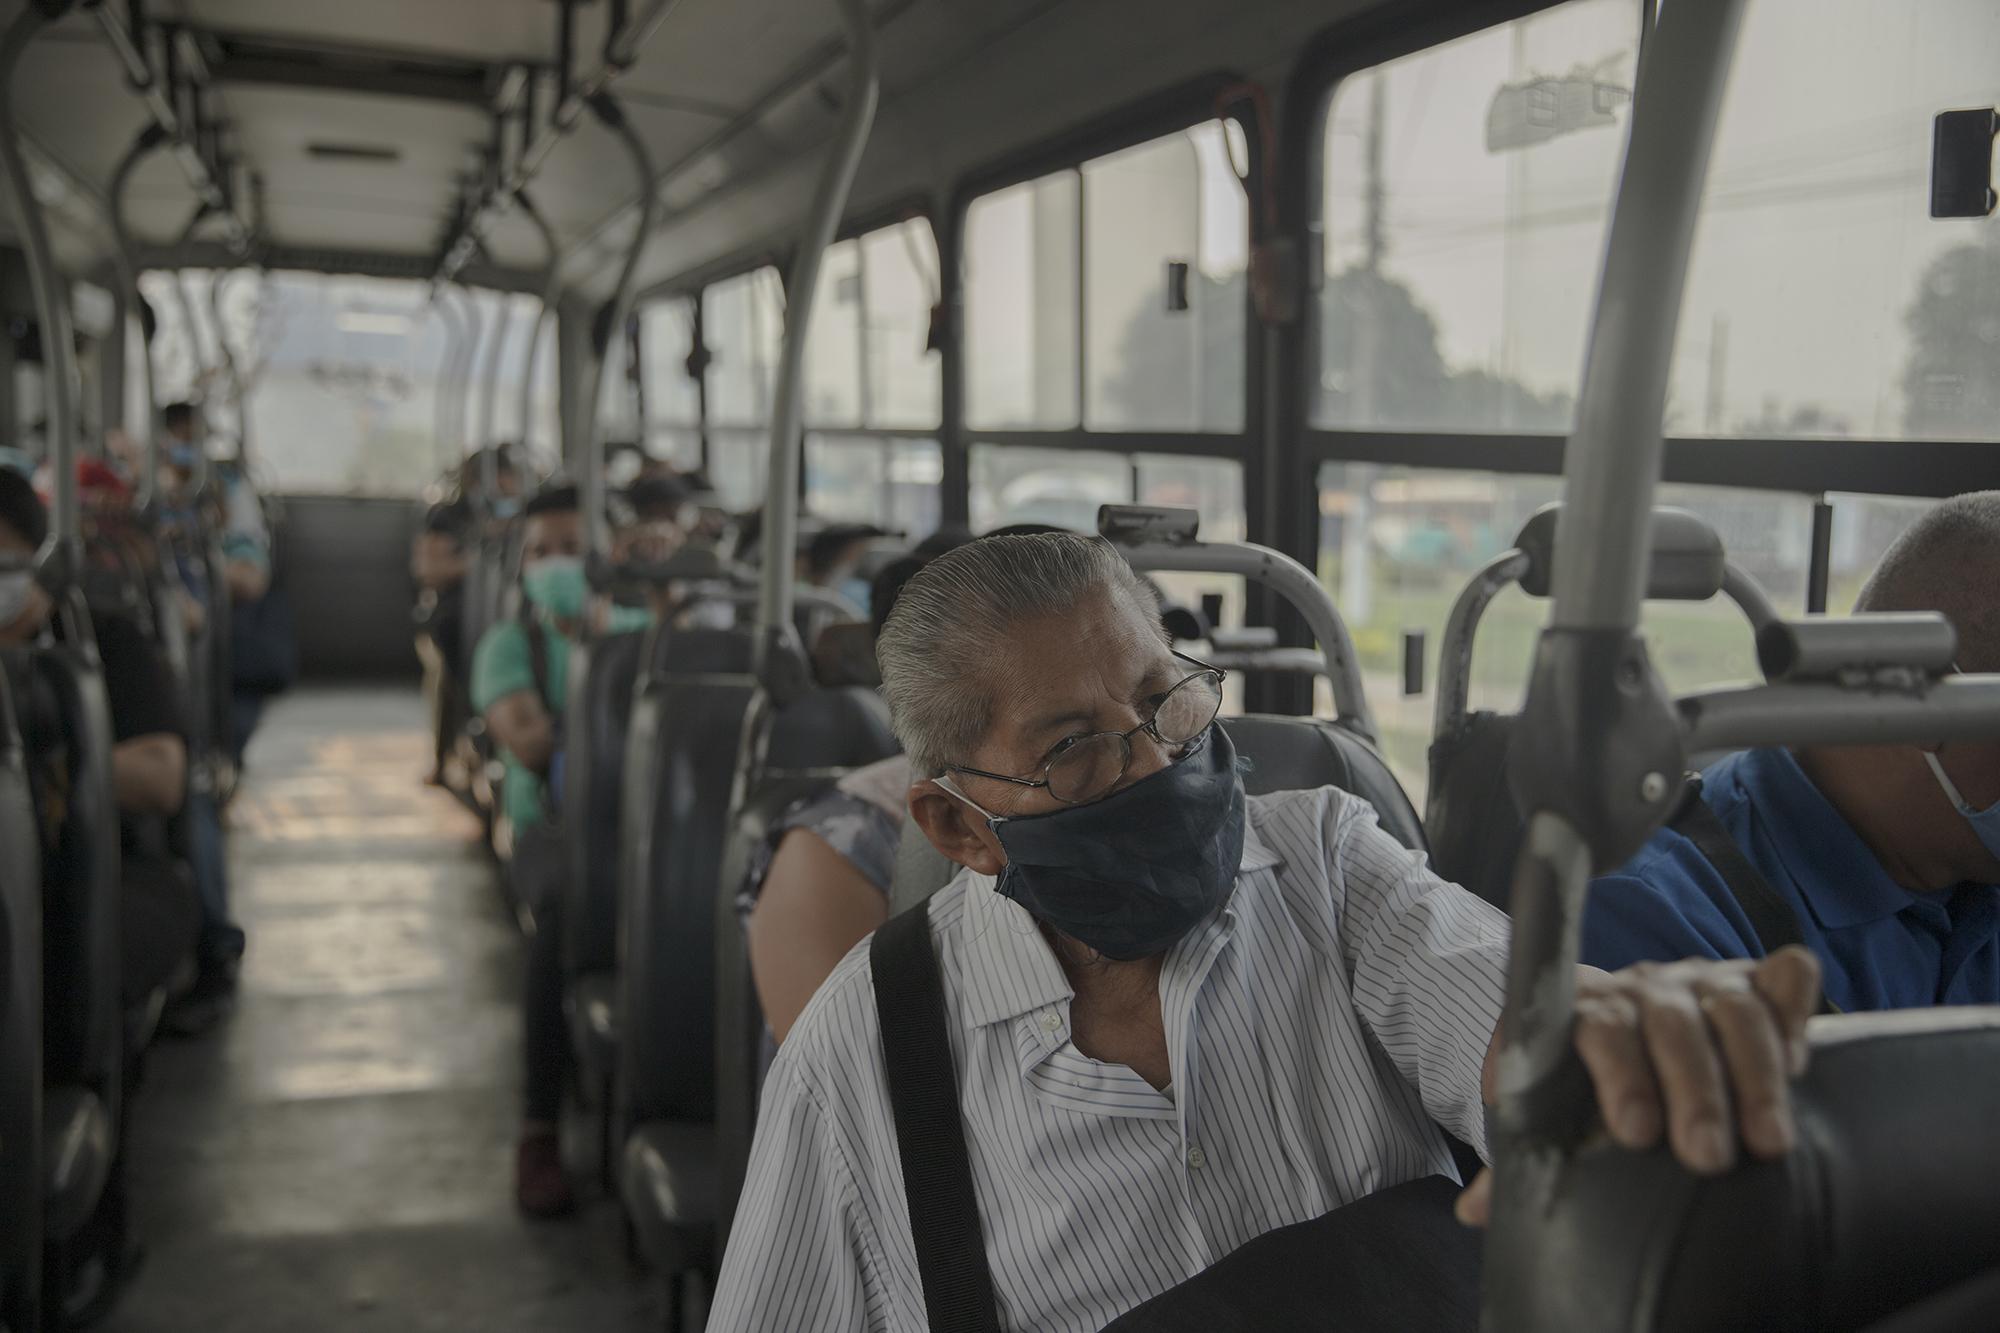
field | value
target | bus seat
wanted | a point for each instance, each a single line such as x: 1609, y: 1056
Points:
x: 686, y: 730
x: 76, y: 1158
x: 1886, y: 1203
x: 1301, y: 753
x: 82, y: 1037
x: 20, y: 1016
x: 1475, y: 826
x: 821, y: 736
x: 669, y: 1192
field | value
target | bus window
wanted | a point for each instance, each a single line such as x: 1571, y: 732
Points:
x: 1467, y: 189
x: 672, y: 398
x: 743, y: 320
x: 1149, y: 366
x: 1062, y: 487
x: 870, y: 369
x: 1821, y: 298
x: 1397, y: 545
x: 1111, y: 295
x: 870, y: 479
x: 1020, y: 307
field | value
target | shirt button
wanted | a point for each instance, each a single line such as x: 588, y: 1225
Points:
x: 1051, y: 1020
x: 1196, y: 1158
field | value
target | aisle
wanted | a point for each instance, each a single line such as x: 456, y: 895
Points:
x: 339, y: 1156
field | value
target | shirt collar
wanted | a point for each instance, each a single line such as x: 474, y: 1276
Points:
x: 1835, y: 873
x: 1010, y: 969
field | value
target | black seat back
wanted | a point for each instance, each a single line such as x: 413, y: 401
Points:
x: 687, y: 724
x: 1301, y: 753
x: 1887, y: 1200
x: 81, y: 921
x: 821, y: 736
x: 1475, y: 824
x: 20, y: 1028
x: 602, y: 678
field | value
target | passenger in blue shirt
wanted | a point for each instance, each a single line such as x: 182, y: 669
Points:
x: 1887, y: 858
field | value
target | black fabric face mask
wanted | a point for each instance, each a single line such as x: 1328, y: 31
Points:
x: 1131, y: 874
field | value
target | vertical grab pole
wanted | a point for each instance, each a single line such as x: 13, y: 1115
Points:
x: 490, y: 377
x: 454, y: 334
x: 596, y: 526
x: 150, y: 138
x: 551, y: 293
x: 230, y: 369
x: 1602, y: 781
x: 61, y: 555
x: 781, y: 490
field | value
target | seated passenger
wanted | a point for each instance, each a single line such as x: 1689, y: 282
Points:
x: 1181, y: 1017
x: 520, y: 679
x: 1883, y: 860
x: 162, y: 917
x: 161, y: 921
x: 827, y: 881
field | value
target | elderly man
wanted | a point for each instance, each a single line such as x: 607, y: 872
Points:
x: 1179, y: 1018
x: 1883, y: 860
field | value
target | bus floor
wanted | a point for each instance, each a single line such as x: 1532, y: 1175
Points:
x: 339, y: 1153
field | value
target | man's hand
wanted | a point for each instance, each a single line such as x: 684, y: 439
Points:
x: 1702, y: 1051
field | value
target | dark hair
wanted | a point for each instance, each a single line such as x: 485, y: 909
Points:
x: 889, y: 580
x: 176, y: 415
x: 830, y: 541
x: 21, y: 509
x: 1031, y: 530
x: 656, y: 497
x: 557, y: 498
x: 450, y: 519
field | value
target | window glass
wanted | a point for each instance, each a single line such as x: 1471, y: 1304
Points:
x: 1864, y: 527
x: 833, y: 375
x: 1166, y: 244
x: 666, y: 337
x: 899, y: 283
x: 743, y: 319
x: 1021, y: 306
x: 1214, y: 488
x: 1063, y: 487
x: 736, y: 465
x: 1398, y: 545
x: 890, y: 483
x: 1467, y: 189
x: 679, y: 445
x: 618, y: 408
x: 344, y: 375
x: 1822, y: 299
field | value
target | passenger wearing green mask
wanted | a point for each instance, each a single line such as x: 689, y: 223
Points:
x: 520, y: 678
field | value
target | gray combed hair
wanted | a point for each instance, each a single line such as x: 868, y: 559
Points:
x: 1948, y: 561
x: 956, y: 613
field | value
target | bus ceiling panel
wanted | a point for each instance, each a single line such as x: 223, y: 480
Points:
x: 961, y: 92
x: 493, y: 31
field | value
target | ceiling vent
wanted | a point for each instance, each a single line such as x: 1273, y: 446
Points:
x: 354, y: 152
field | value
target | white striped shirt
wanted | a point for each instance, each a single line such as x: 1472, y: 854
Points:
x: 1317, y: 1026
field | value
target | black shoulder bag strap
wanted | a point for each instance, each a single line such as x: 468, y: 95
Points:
x: 1770, y: 916
x: 538, y: 659
x: 930, y: 1129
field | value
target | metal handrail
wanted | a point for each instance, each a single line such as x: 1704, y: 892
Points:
x: 781, y: 491
x: 149, y: 139
x: 551, y: 293
x: 61, y: 555
x: 596, y: 523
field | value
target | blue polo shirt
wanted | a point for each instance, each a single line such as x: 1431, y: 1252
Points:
x: 1880, y: 945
